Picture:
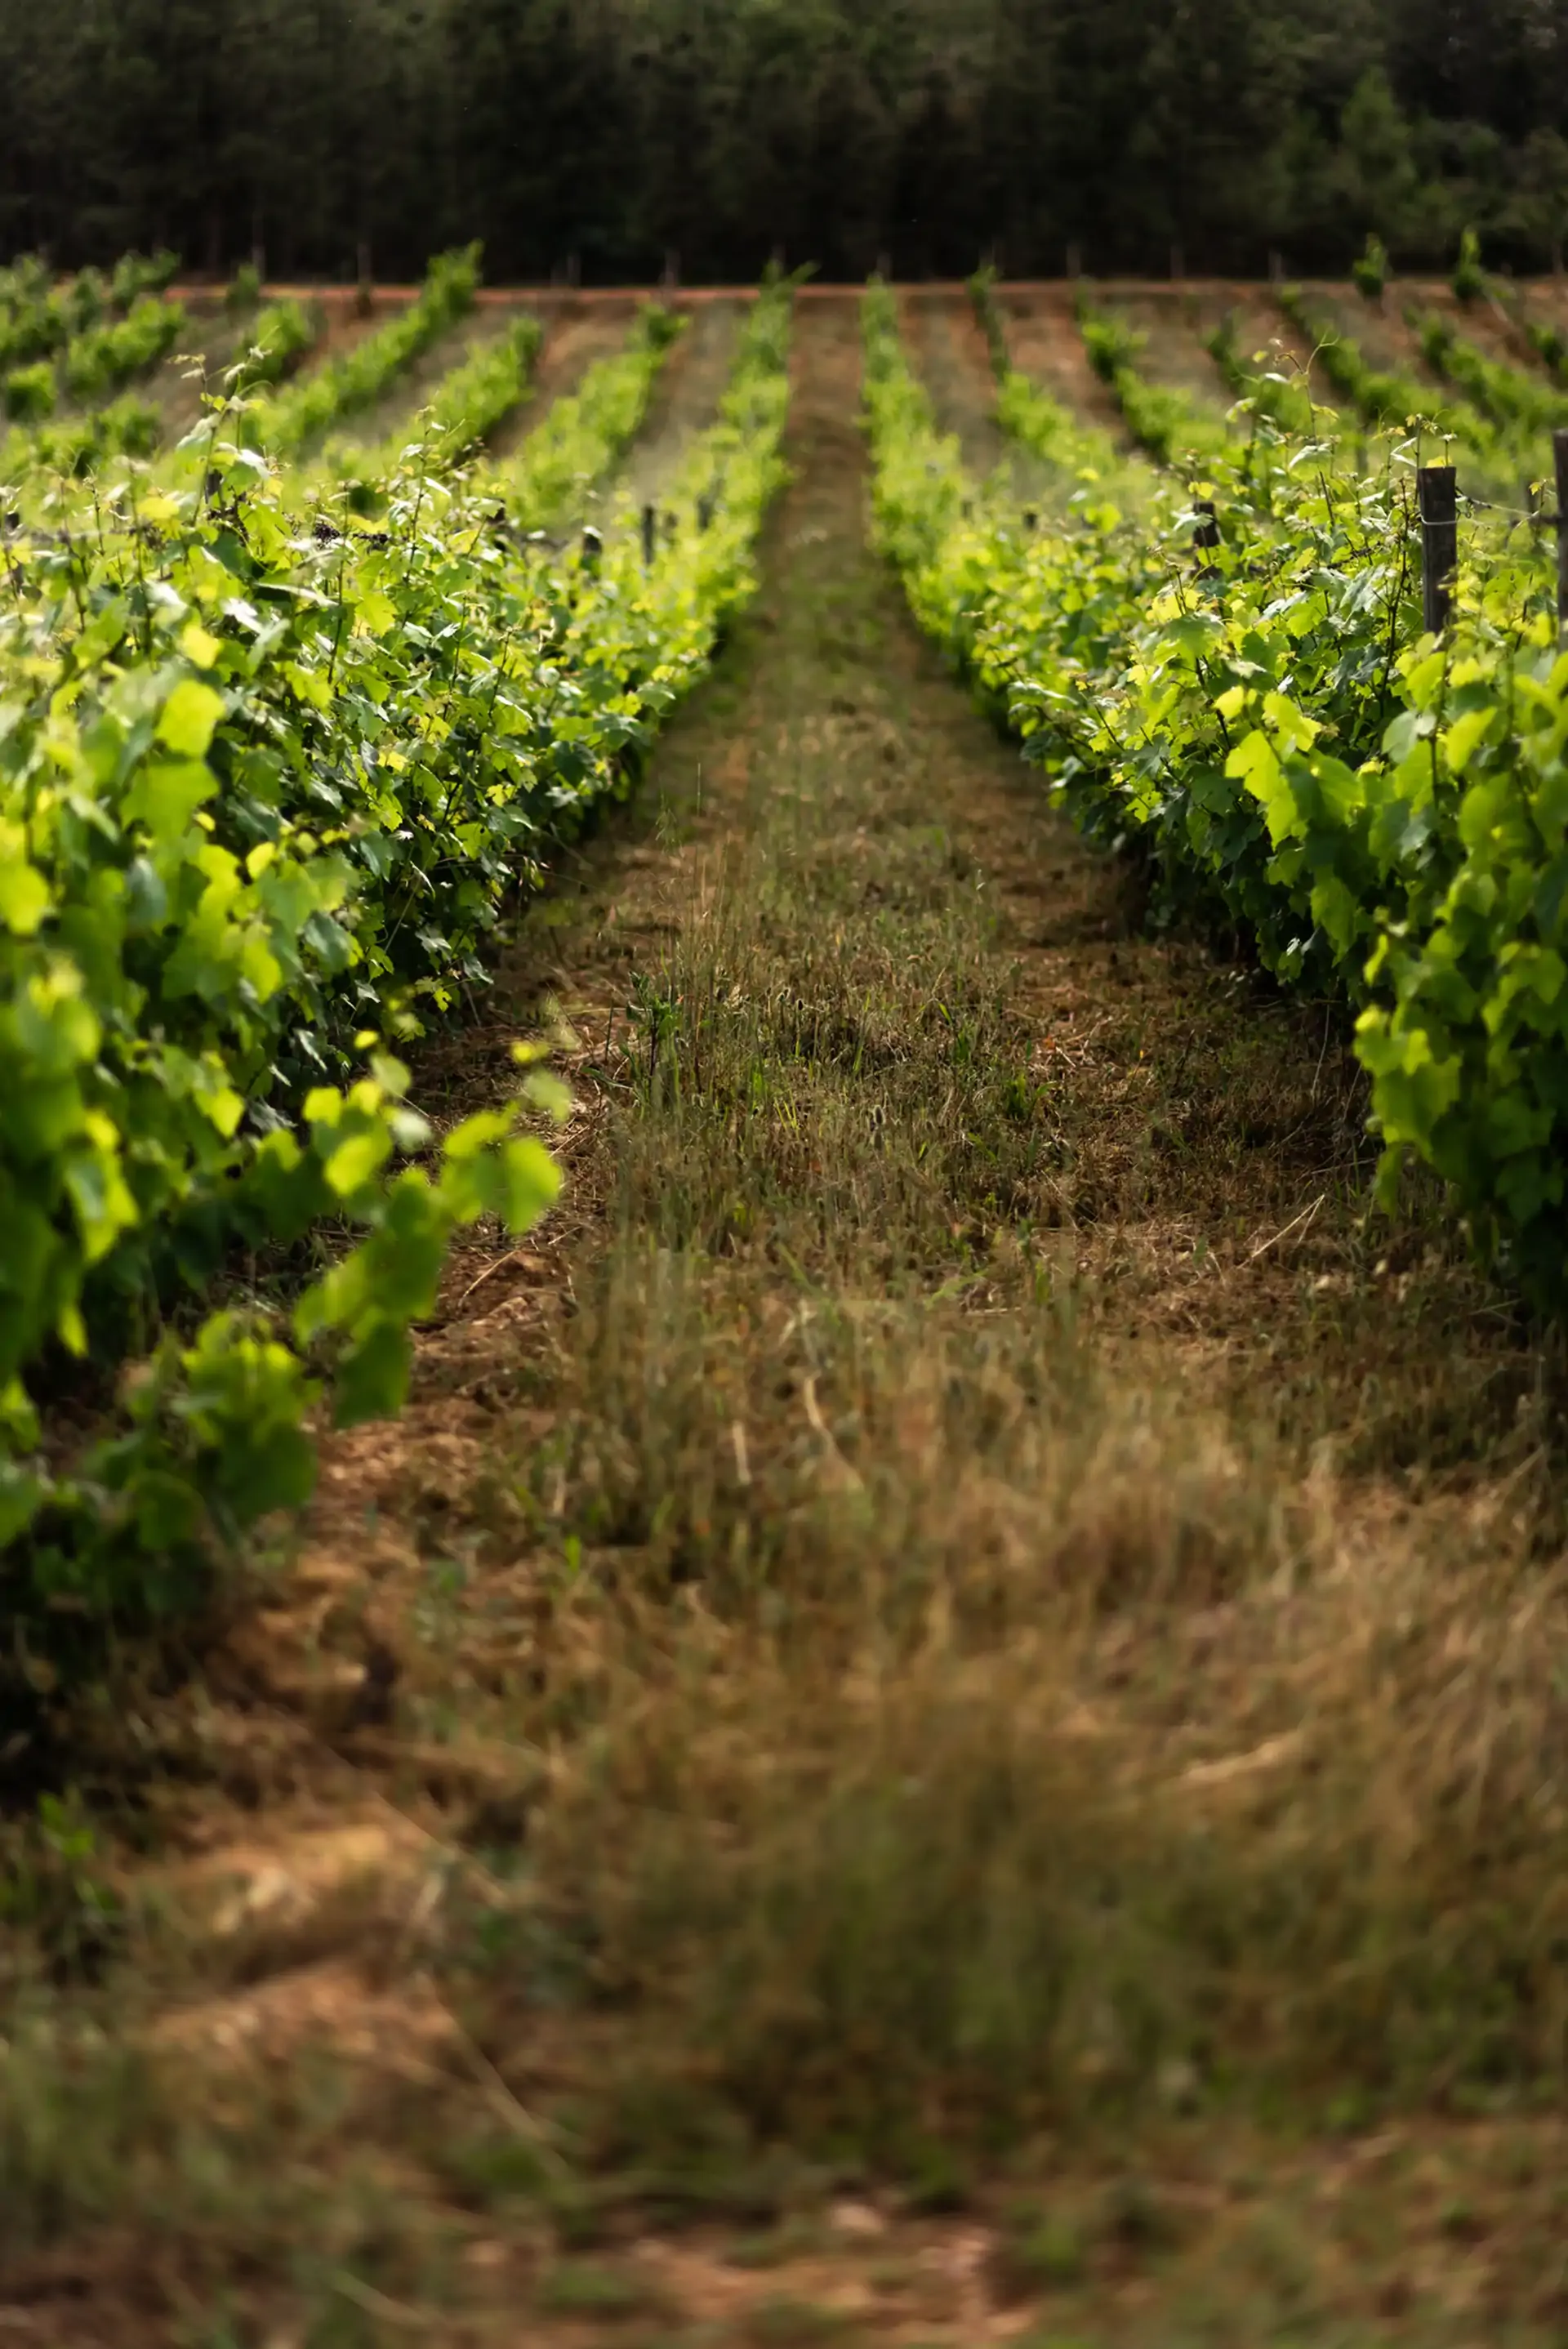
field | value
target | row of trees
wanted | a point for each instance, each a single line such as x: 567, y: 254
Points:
x: 620, y: 130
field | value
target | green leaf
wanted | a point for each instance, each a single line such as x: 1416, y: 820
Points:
x: 372, y: 1380
x: 101, y: 1198
x: 271, y: 1471
x: 189, y: 717
x: 1338, y: 911
x: 545, y: 1091
x: 1463, y: 738
x: 200, y: 646
x: 375, y: 611
x: 357, y: 1161
x: 165, y: 795
x: 23, y: 1494
x: 531, y: 1183
x: 24, y: 892
x: 310, y: 684
x: 477, y: 1134
x: 224, y: 1107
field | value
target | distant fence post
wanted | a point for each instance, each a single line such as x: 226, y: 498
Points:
x: 1437, y: 498
x: 650, y: 536
x: 1560, y: 459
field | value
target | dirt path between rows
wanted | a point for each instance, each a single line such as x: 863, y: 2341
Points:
x: 690, y: 386
x: 216, y: 340
x: 575, y: 336
x: 951, y: 1636
x: 1044, y: 341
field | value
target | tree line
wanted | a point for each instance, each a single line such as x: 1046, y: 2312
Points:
x: 615, y: 138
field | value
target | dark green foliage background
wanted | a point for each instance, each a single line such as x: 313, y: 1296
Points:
x: 924, y: 129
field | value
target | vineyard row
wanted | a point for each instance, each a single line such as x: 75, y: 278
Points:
x: 269, y: 775
x: 1225, y: 669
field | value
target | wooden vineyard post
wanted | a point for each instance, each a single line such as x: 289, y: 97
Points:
x: 650, y: 536
x: 1207, y: 535
x: 1437, y: 496
x: 1560, y: 459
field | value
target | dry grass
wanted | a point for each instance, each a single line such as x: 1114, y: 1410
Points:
x: 944, y: 1720
x: 979, y: 1726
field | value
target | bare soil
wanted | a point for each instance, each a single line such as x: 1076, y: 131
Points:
x: 1172, y: 323
x: 576, y: 335
x: 685, y: 396
x: 1044, y: 340
x: 403, y: 399
x: 216, y: 340
x: 950, y: 354
x: 1381, y: 330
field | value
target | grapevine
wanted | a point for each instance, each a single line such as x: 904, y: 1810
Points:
x: 1381, y: 812
x: 105, y: 357
x: 585, y: 434
x: 1284, y: 397
x: 265, y: 785
x: 282, y: 334
x: 348, y: 385
x: 1027, y: 413
x: 1513, y: 401
x: 467, y: 406
x: 1550, y: 345
x: 1382, y: 397
x: 1170, y: 425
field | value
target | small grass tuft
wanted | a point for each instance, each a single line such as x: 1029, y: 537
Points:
x: 581, y: 2290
